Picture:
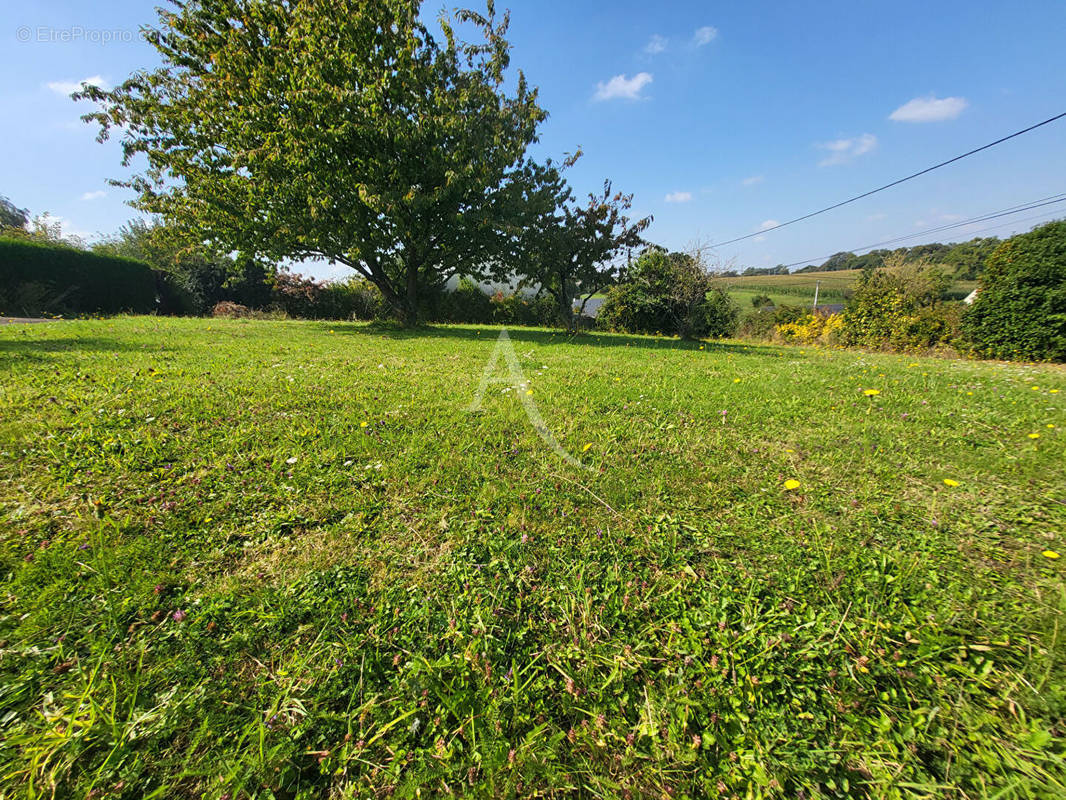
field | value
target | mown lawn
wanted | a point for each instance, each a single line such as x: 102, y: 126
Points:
x: 281, y: 559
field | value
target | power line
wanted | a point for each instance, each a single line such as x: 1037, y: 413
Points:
x: 1046, y: 215
x: 1046, y: 201
x: 889, y: 185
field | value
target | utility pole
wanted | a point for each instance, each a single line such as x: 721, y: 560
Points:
x: 816, y: 285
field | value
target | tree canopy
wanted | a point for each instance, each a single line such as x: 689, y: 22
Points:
x: 568, y: 249
x: 337, y: 129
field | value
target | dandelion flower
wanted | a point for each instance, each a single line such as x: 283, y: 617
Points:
x: 736, y: 380
x: 1050, y: 425
x: 1052, y: 391
x: 362, y: 424
x: 1034, y: 435
x: 871, y: 392
x: 950, y: 482
x: 1050, y: 554
x: 791, y: 484
x: 586, y: 448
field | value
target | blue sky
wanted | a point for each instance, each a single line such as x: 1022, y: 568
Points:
x: 719, y: 117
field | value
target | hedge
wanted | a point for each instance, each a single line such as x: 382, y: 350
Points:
x: 1020, y: 310
x: 40, y: 278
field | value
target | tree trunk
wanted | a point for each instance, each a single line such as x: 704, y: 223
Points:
x: 564, y: 299
x: 409, y: 313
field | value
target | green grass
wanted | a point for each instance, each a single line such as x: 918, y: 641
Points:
x: 218, y: 582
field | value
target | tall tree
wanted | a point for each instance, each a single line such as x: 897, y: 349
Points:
x: 568, y: 249
x: 335, y: 129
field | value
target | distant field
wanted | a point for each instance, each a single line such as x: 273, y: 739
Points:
x: 274, y: 559
x: 798, y: 288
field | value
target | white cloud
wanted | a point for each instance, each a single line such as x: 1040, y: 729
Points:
x: 66, y: 88
x: 98, y: 194
x: 678, y: 197
x: 656, y: 44
x: 767, y: 224
x: 753, y: 180
x: 621, y: 86
x: 704, y: 35
x: 842, y: 151
x: 875, y: 217
x: 929, y: 109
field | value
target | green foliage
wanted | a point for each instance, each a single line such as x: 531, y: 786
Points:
x: 760, y: 300
x: 519, y: 308
x: 217, y: 582
x: 196, y: 278
x: 567, y: 250
x: 361, y: 137
x: 40, y: 278
x: 898, y: 307
x: 304, y: 298
x: 1020, y: 309
x: 763, y: 323
x: 466, y: 304
x: 669, y: 293
x: 11, y: 216
x: 962, y: 260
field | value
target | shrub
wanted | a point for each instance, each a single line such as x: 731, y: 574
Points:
x: 1020, y: 309
x: 38, y: 278
x: 898, y: 307
x: 296, y: 295
x: 669, y: 294
x: 764, y: 322
x: 520, y: 309
x: 304, y: 298
x: 355, y: 298
x: 760, y: 300
x: 228, y: 308
x: 812, y: 329
x: 175, y: 298
x: 467, y: 304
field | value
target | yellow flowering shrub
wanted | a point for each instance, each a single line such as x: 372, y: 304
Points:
x: 812, y: 329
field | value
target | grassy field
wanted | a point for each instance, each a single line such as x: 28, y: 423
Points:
x: 281, y: 560
x: 798, y: 288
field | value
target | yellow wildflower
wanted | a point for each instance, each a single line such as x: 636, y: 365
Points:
x: 950, y: 482
x: 791, y: 484
x: 1050, y: 554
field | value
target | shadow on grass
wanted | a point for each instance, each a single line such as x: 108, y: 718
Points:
x: 542, y: 336
x: 23, y: 349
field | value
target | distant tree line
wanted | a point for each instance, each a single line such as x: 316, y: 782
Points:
x: 961, y: 260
